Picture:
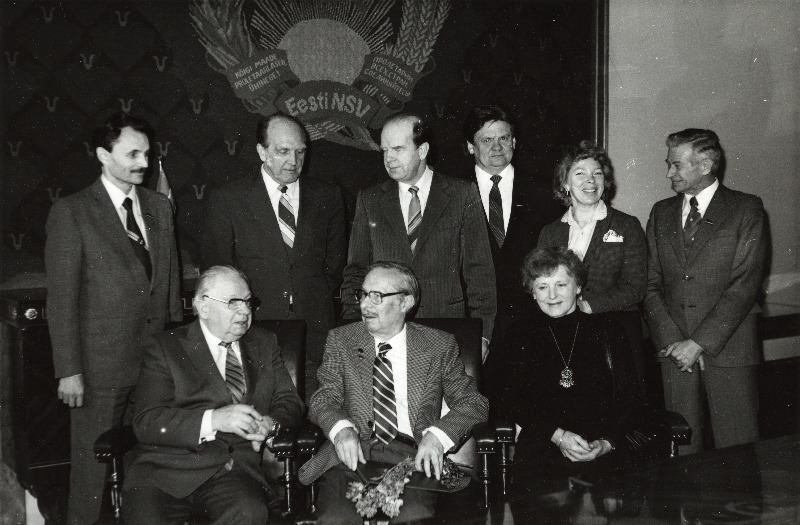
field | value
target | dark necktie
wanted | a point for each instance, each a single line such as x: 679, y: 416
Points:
x: 234, y: 375
x: 692, y: 224
x: 414, y: 217
x: 384, y: 405
x: 136, y: 237
x: 286, y: 218
x: 496, y: 223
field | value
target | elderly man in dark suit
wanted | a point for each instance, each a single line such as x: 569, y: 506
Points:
x: 706, y: 263
x: 383, y: 382
x: 430, y: 222
x: 286, y: 232
x: 209, y: 395
x: 112, y: 279
x: 515, y: 206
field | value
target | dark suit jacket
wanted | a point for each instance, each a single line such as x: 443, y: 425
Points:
x: 532, y: 207
x: 453, y: 261
x: 179, y: 381
x: 707, y: 294
x: 241, y: 230
x: 617, y: 270
x: 435, y: 372
x: 100, y: 304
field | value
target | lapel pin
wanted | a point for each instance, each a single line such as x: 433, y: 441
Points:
x: 360, y: 353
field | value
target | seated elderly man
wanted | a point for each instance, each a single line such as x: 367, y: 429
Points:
x: 382, y: 382
x: 209, y: 395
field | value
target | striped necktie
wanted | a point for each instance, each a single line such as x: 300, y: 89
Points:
x: 136, y: 237
x: 384, y: 407
x: 286, y: 218
x: 234, y: 375
x: 692, y: 223
x: 496, y: 223
x: 414, y: 217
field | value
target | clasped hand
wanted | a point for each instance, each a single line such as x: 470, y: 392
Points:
x: 244, y: 421
x: 575, y: 448
x: 684, y: 354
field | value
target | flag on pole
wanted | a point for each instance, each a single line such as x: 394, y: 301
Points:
x: 163, y: 184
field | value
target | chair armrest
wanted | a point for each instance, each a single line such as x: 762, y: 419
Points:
x: 485, y: 439
x: 114, y: 442
x: 505, y: 431
x: 309, y: 439
x: 681, y: 431
x: 284, y: 444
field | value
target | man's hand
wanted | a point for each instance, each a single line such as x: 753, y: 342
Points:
x: 70, y: 390
x: 430, y: 454
x: 264, y: 428
x: 685, y: 353
x: 348, y: 447
x: 484, y: 349
x: 242, y: 420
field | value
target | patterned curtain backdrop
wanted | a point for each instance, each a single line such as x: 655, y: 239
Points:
x: 203, y: 71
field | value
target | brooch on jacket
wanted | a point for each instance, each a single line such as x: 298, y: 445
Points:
x: 612, y: 236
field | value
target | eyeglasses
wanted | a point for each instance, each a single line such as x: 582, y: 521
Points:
x: 374, y: 297
x: 234, y: 304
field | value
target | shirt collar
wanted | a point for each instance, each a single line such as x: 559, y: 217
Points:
x: 507, y: 175
x: 117, y: 195
x: 212, y: 340
x: 600, y: 213
x: 703, y: 198
x: 423, y: 184
x: 397, y: 342
x: 273, y: 186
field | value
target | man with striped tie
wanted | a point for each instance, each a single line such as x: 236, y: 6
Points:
x: 432, y: 223
x: 285, y: 231
x: 209, y: 394
x: 382, y: 383
x: 112, y: 280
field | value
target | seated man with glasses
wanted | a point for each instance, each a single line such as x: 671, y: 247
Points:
x: 382, y: 382
x: 209, y: 394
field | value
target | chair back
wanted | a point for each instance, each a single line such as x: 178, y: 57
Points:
x: 291, y: 334
x: 469, y: 336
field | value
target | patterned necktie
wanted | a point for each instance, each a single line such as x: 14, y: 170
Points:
x: 234, y: 375
x: 496, y: 223
x: 384, y: 405
x: 692, y: 224
x: 136, y: 237
x: 414, y: 217
x: 286, y: 218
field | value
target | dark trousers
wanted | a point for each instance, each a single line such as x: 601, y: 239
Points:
x: 103, y: 408
x: 333, y: 508
x: 229, y: 497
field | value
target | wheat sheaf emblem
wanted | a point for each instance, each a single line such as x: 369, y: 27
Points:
x: 337, y: 65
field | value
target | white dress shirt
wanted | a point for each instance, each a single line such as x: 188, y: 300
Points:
x: 703, y: 200
x: 398, y: 357
x: 274, y: 192
x: 506, y: 187
x: 118, y: 197
x: 579, y: 238
x: 220, y: 356
x: 423, y: 191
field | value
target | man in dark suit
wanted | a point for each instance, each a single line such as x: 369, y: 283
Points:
x: 112, y: 279
x: 430, y: 222
x: 382, y: 383
x: 209, y: 395
x: 515, y: 208
x: 285, y: 232
x: 706, y: 263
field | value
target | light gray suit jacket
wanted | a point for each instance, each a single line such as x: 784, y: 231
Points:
x: 435, y: 372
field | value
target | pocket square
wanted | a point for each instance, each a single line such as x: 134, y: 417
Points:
x: 612, y: 236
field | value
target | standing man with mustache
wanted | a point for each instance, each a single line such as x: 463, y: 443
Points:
x: 286, y: 232
x: 706, y: 249
x: 112, y: 279
x: 431, y: 223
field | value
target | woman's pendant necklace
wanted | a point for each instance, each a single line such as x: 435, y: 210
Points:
x: 566, y: 374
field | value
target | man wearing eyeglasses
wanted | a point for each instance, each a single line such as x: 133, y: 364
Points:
x: 382, y: 383
x: 209, y: 395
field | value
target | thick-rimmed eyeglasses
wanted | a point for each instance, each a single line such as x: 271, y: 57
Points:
x: 234, y: 304
x: 374, y: 297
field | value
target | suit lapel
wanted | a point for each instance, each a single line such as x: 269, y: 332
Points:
x: 418, y: 363
x: 309, y: 206
x: 390, y: 204
x: 438, y: 198
x: 600, y: 229
x: 199, y: 354
x: 259, y: 208
x: 363, y: 358
x: 151, y: 225
x: 249, y: 367
x: 716, y: 213
x: 674, y: 229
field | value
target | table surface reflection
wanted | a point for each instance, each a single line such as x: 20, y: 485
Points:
x: 758, y: 483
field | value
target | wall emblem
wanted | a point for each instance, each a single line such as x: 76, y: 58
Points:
x: 341, y: 67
